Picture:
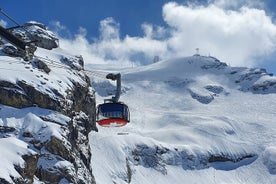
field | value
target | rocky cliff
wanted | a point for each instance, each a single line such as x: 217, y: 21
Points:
x: 47, y: 109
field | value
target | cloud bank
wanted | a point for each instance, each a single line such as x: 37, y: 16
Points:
x: 238, y: 37
x: 234, y: 33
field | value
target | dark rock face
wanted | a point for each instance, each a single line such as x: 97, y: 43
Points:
x: 265, y: 87
x: 22, y: 95
x: 202, y: 98
x: 35, y: 97
x: 41, y: 65
x: 74, y: 62
x: 3, y: 181
x: 29, y: 171
x: 12, y: 95
x: 57, y: 147
x: 83, y: 99
x: 78, y: 136
x: 6, y: 129
x: 214, y: 89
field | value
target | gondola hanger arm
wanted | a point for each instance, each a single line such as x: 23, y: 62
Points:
x: 116, y: 77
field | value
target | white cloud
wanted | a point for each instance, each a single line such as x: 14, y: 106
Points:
x: 236, y: 36
x: 57, y: 25
x: 3, y: 23
x: 148, y: 30
x: 109, y: 29
x: 110, y: 48
x: 154, y: 32
x: 60, y: 29
x: 235, y: 4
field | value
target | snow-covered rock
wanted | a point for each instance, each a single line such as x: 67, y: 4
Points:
x: 18, y: 162
x: 43, y: 37
x: 48, y: 106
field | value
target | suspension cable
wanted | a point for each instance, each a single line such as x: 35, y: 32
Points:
x: 11, y: 19
x: 95, y: 73
x: 1, y: 10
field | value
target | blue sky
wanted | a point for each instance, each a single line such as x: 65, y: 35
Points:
x: 238, y: 32
x: 88, y: 13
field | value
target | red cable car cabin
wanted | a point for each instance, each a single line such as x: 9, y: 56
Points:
x: 112, y: 114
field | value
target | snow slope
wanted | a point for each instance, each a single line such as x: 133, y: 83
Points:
x: 193, y: 120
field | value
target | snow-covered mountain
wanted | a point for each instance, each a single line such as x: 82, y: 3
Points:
x: 193, y: 120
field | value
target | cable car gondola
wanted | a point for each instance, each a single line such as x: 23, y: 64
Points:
x: 113, y: 113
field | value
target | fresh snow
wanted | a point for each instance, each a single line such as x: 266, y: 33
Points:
x: 189, y: 106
